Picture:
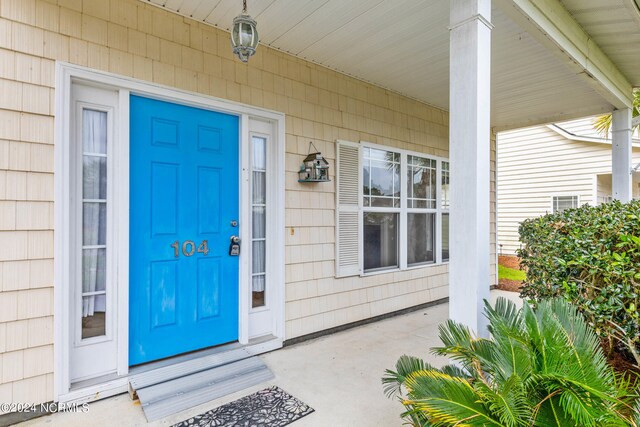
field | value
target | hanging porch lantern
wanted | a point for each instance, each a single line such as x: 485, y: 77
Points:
x: 244, y: 35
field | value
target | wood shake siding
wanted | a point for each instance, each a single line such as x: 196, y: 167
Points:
x: 134, y: 39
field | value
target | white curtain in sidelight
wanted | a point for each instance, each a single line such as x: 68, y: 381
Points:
x: 258, y: 207
x: 94, y: 211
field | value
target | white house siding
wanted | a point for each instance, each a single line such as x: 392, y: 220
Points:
x: 537, y: 163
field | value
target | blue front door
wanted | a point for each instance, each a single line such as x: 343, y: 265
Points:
x: 183, y: 284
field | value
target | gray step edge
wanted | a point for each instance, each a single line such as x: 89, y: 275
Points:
x: 170, y: 372
x: 202, y: 395
x: 188, y: 383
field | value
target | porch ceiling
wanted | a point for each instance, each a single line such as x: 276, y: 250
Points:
x: 403, y: 45
x: 615, y: 27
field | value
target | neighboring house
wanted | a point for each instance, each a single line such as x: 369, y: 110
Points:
x: 547, y: 168
x: 149, y: 196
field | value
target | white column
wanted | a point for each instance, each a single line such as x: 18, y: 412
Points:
x: 469, y: 150
x: 621, y: 155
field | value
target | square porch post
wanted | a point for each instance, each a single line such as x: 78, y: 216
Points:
x: 469, y: 151
x: 621, y: 134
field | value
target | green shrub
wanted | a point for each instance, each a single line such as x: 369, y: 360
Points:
x: 589, y: 256
x: 543, y: 367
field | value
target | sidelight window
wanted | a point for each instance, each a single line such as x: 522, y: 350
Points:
x: 258, y: 220
x: 94, y: 222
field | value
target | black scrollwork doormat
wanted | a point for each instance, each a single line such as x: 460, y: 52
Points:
x: 271, y: 407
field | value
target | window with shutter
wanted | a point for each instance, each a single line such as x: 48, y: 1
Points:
x: 348, y: 209
x: 392, y: 209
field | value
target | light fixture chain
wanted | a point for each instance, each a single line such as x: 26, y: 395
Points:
x: 244, y: 6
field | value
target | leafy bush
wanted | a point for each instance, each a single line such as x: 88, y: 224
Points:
x: 591, y: 257
x: 542, y: 367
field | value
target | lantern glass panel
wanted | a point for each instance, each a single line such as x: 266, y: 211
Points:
x: 246, y: 34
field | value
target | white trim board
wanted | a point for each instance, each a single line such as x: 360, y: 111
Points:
x: 66, y: 76
x: 573, y: 137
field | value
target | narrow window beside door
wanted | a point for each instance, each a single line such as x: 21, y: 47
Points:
x: 258, y: 222
x: 94, y: 222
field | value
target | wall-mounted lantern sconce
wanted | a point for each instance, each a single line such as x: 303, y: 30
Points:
x: 314, y: 168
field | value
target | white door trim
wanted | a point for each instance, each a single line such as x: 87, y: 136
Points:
x: 66, y: 75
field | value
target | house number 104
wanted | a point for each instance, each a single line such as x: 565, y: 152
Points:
x: 189, y: 247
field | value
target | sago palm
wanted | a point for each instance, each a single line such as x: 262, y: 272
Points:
x: 542, y: 367
x: 603, y: 123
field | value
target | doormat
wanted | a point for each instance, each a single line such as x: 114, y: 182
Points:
x: 271, y: 407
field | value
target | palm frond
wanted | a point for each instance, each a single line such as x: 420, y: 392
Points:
x: 459, y: 345
x: 512, y: 350
x: 392, y: 381
x: 577, y: 353
x: 508, y: 401
x: 448, y: 400
x: 550, y: 414
x: 454, y: 371
x: 602, y: 124
x: 543, y: 366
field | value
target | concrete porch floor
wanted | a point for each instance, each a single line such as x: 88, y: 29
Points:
x: 338, y: 375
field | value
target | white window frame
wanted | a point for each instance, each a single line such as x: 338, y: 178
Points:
x: 403, y: 210
x: 66, y: 76
x: 554, y: 196
x: 95, y: 348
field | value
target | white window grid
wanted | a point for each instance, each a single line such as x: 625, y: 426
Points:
x: 563, y: 202
x: 403, y: 210
x: 262, y: 171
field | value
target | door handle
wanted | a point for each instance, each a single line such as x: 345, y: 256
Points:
x: 234, y: 247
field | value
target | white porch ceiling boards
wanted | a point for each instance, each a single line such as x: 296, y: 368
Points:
x: 403, y: 45
x: 615, y: 27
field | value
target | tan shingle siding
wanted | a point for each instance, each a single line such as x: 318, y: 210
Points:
x: 135, y: 39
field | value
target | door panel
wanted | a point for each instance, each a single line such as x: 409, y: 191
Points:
x: 183, y: 197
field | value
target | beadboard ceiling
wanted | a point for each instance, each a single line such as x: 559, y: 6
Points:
x: 614, y: 25
x: 403, y: 45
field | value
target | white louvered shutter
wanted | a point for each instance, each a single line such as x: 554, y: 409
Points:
x: 347, y: 209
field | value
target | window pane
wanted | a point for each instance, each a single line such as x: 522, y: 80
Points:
x: 94, y: 270
x: 258, y: 257
x: 258, y: 222
x: 381, y: 178
x: 93, y: 318
x: 259, y: 187
x: 94, y: 177
x: 421, y: 180
x: 258, y: 291
x: 94, y: 131
x: 445, y: 185
x: 259, y: 153
x: 420, y: 238
x: 94, y: 223
x: 561, y: 203
x: 445, y: 237
x: 380, y: 240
